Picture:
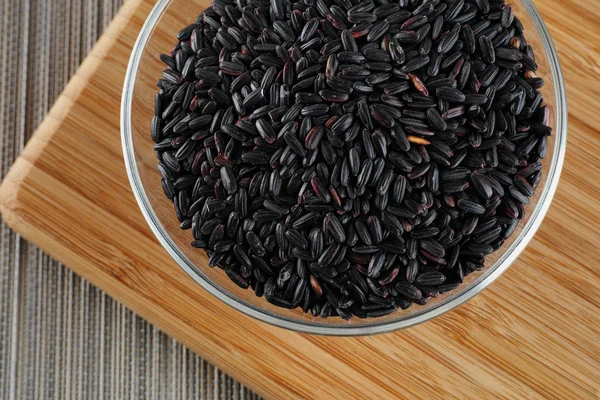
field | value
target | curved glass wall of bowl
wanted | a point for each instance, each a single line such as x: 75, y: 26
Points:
x: 158, y: 36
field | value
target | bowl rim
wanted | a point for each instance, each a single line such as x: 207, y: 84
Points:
x: 370, y: 327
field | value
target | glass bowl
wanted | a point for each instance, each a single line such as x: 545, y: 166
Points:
x: 158, y: 36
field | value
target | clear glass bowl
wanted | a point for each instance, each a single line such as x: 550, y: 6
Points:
x: 158, y: 36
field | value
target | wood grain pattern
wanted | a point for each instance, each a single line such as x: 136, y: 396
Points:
x: 533, y: 334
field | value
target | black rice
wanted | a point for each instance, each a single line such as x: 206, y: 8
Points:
x: 350, y: 158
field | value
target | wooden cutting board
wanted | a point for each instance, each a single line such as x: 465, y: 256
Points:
x: 535, y: 333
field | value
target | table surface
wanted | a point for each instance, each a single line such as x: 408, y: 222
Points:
x: 60, y: 337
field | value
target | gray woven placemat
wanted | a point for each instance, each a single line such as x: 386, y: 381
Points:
x: 60, y: 337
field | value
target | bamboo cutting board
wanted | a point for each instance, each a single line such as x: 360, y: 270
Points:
x: 535, y: 333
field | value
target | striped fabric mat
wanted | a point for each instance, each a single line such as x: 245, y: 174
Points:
x: 60, y: 337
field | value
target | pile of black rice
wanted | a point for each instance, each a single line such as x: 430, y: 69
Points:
x: 350, y: 157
